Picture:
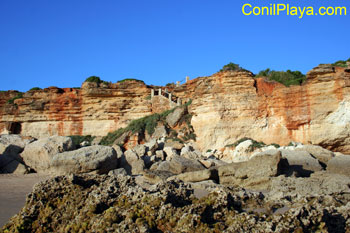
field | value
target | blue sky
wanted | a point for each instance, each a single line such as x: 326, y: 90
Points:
x: 62, y: 42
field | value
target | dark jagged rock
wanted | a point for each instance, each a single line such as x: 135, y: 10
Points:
x: 92, y: 203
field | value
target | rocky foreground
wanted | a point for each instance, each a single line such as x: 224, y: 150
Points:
x: 169, y: 186
x: 116, y: 203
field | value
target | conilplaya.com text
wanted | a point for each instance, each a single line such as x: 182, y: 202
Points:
x: 287, y: 9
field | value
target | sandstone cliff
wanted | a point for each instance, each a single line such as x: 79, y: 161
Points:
x: 228, y: 106
x: 225, y: 107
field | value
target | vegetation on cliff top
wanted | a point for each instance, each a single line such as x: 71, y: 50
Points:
x: 35, y: 89
x: 341, y: 63
x: 287, y: 78
x: 95, y: 79
x: 130, y: 79
x: 231, y: 67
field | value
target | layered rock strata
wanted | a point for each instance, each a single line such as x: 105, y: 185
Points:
x: 225, y: 107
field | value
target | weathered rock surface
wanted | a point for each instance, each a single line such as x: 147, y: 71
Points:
x: 300, y: 162
x: 318, y: 152
x: 339, y: 164
x: 174, y: 144
x: 132, y: 163
x: 174, y: 117
x: 10, y: 148
x: 197, y: 176
x: 91, y: 159
x: 179, y: 165
x: 319, y: 184
x: 38, y: 154
x: 89, y: 203
x: 170, y: 153
x: 255, y: 173
x: 119, y: 171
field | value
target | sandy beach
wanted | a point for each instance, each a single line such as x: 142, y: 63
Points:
x: 13, y: 191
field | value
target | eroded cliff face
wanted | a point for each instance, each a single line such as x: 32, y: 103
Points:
x: 225, y: 107
x: 92, y: 110
x: 232, y: 105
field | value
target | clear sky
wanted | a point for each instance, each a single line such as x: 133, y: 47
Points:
x: 61, y: 42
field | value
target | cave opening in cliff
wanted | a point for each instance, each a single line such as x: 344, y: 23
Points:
x: 15, y: 128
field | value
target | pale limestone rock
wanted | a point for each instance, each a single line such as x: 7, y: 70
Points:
x: 179, y: 165
x: 10, y: 148
x: 339, y: 164
x: 119, y: 171
x: 92, y: 159
x: 255, y: 172
x: 132, y: 163
x: 301, y: 162
x: 160, y: 155
x: 39, y: 154
x: 196, y: 176
x: 170, y: 152
x: 318, y: 152
x: 173, y: 118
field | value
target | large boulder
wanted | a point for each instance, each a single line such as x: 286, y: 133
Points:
x: 92, y: 159
x: 255, y: 172
x: 173, y: 118
x: 318, y: 152
x: 140, y: 150
x: 10, y: 148
x: 170, y: 153
x: 13, y: 139
x: 173, y: 144
x: 159, y: 131
x: 39, y: 154
x: 301, y: 163
x: 179, y: 164
x: 340, y: 164
x: 318, y: 184
x: 196, y: 176
x: 152, y: 145
x: 189, y: 152
x: 132, y: 163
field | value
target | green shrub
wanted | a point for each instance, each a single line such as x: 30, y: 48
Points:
x: 112, y: 136
x: 291, y: 144
x: 96, y: 79
x: 147, y: 123
x: 341, y: 63
x: 77, y: 139
x: 93, y: 79
x: 18, y: 96
x: 35, y: 89
x: 188, y: 103
x: 275, y: 145
x: 253, y: 146
x: 231, y: 66
x: 287, y: 78
x: 130, y: 79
